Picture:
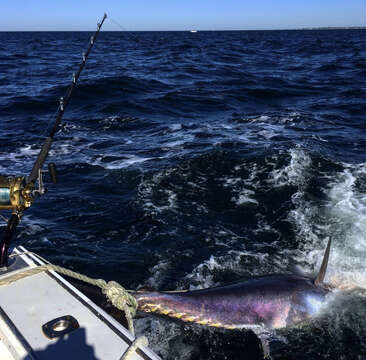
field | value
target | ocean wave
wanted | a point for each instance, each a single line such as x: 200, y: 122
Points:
x: 188, y: 161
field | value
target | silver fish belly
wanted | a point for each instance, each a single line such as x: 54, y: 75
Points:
x: 273, y: 301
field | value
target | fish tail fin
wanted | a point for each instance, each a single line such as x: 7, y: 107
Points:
x: 323, y: 268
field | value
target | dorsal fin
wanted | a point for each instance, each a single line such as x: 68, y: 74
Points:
x: 323, y: 268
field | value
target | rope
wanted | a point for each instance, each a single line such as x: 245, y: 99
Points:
x: 117, y: 294
x: 142, y: 340
x: 122, y: 300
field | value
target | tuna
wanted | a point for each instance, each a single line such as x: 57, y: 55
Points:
x: 271, y: 301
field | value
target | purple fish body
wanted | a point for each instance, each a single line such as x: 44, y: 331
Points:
x: 272, y: 301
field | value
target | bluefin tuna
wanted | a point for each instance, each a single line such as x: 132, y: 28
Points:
x: 271, y: 301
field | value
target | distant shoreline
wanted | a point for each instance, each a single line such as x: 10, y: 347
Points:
x: 335, y: 28
x: 295, y: 29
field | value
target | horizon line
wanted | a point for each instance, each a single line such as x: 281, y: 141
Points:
x: 363, y: 27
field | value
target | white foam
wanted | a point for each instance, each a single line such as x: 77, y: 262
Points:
x: 165, y: 337
x: 347, y: 211
x: 296, y: 172
x: 146, y: 192
x: 175, y: 127
x: 245, y: 197
x: 243, y: 188
x: 239, y: 187
x: 27, y: 150
x: 178, y: 139
x: 342, y: 216
x: 202, y: 276
x: 157, y: 271
x: 262, y: 118
x: 120, y: 164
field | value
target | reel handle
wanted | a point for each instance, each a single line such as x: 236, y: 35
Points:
x: 52, y: 171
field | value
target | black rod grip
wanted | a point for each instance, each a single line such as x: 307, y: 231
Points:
x: 5, y: 241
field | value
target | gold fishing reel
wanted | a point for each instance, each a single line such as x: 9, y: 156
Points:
x: 15, y: 195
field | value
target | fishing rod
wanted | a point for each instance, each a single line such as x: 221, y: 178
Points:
x: 19, y: 193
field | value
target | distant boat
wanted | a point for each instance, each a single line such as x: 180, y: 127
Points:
x: 194, y: 31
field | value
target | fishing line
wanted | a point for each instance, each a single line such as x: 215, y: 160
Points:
x: 116, y: 23
x: 124, y: 30
x: 130, y: 34
x: 70, y: 87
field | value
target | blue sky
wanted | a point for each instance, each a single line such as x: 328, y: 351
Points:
x: 180, y: 15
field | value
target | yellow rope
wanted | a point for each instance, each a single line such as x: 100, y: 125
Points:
x: 142, y: 340
x: 122, y: 300
x: 118, y: 295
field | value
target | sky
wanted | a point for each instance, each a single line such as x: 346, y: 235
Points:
x: 48, y: 15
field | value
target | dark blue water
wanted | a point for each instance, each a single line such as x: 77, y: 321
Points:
x: 192, y: 160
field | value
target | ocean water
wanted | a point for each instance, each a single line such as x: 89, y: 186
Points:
x: 189, y: 160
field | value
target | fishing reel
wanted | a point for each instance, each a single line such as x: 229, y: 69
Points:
x: 17, y: 195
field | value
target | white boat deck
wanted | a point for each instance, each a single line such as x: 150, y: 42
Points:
x: 29, y: 303
x: 4, y: 352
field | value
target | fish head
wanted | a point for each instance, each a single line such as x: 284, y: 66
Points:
x: 306, y: 304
